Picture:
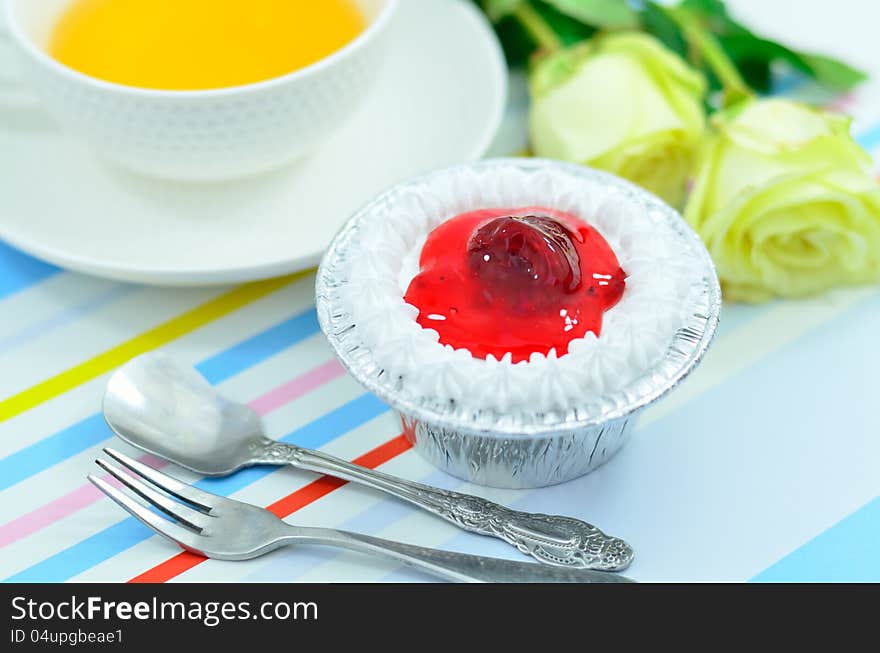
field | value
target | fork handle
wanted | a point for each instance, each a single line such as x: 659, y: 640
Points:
x: 459, y: 567
x: 552, y: 539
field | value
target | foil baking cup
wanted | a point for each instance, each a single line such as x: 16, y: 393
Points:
x: 529, y: 449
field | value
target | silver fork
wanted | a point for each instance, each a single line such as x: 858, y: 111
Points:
x: 217, y: 527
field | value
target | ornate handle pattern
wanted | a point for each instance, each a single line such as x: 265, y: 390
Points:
x: 460, y: 567
x: 556, y: 540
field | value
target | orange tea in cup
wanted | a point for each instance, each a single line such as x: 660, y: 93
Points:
x: 200, y: 44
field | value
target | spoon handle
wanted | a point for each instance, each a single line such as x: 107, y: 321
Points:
x: 552, y: 539
x: 459, y: 567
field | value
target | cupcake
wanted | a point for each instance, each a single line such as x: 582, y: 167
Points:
x: 518, y: 314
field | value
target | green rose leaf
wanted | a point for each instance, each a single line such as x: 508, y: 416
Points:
x: 569, y: 30
x: 753, y: 54
x: 833, y: 73
x: 757, y: 73
x: 607, y: 14
x: 708, y: 9
x: 527, y: 26
x: 656, y: 21
x: 746, y: 48
x: 739, y: 60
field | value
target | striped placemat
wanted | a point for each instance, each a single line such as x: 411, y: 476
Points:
x: 762, y: 465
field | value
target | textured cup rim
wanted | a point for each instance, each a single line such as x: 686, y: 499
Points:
x: 350, y: 49
x: 688, y: 347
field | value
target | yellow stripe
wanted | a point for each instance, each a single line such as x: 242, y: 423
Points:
x: 149, y: 340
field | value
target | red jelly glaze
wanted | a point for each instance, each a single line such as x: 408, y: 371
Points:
x: 521, y: 281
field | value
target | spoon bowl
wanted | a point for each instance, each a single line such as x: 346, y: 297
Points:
x: 169, y: 410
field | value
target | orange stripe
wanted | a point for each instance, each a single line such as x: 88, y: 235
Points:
x: 310, y: 493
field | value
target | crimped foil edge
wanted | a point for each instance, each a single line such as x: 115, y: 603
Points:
x: 687, y: 348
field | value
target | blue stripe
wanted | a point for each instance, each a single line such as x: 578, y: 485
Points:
x: 818, y: 367
x: 257, y: 349
x: 39, y: 329
x: 371, y: 521
x: 313, y: 435
x: 848, y: 552
x: 92, y: 430
x: 122, y: 536
x: 83, y: 555
x: 18, y: 270
x: 870, y: 138
x: 786, y: 83
x: 53, y: 450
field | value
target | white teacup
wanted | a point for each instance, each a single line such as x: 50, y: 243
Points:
x: 195, y: 135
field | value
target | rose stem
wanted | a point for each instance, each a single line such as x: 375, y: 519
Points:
x: 704, y: 42
x: 537, y: 27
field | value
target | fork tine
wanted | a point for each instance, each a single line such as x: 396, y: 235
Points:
x: 181, y: 536
x: 180, y: 512
x: 204, y: 500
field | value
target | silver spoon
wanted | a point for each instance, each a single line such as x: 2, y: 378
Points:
x: 169, y: 410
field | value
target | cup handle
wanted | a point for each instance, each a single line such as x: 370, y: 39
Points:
x: 12, y: 91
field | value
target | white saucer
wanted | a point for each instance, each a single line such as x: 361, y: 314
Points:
x: 440, y: 101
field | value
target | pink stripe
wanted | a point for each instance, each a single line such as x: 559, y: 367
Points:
x: 87, y: 494
x: 841, y: 103
x: 297, y: 387
x: 83, y: 496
